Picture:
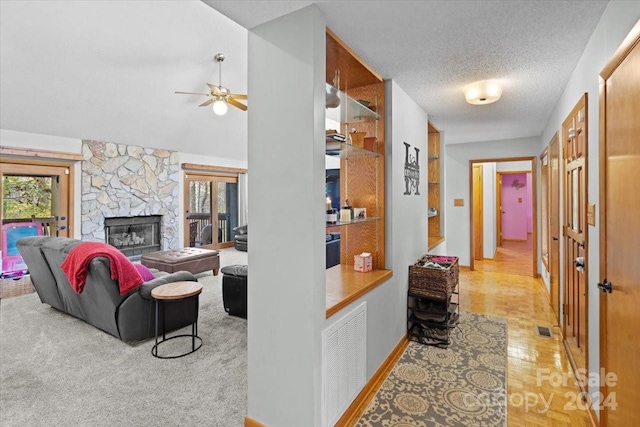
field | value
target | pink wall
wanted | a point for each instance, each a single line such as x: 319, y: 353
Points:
x: 514, y: 206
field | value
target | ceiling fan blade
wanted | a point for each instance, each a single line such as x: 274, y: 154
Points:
x: 236, y: 104
x: 207, y: 102
x: 192, y: 93
x: 214, y: 88
x: 238, y: 96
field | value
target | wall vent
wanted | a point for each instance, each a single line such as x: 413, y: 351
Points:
x: 543, y: 331
x: 344, y: 356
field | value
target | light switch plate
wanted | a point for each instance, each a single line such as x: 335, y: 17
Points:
x: 591, y: 214
x: 458, y: 202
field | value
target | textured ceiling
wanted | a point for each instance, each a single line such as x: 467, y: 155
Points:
x: 432, y: 49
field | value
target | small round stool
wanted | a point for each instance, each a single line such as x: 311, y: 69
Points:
x: 173, y: 292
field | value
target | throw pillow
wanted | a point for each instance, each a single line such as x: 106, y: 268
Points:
x: 144, y: 272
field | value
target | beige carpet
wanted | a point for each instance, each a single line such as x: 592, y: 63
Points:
x: 463, y: 385
x: 56, y: 370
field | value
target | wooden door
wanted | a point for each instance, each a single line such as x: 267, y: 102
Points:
x: 554, y: 225
x: 619, y: 231
x: 574, y: 134
x: 41, y: 193
x: 478, y: 223
x: 499, y: 210
x: 211, y: 210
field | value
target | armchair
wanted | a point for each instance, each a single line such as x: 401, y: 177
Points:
x: 240, y: 238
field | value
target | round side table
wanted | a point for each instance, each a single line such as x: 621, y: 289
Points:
x: 173, y: 292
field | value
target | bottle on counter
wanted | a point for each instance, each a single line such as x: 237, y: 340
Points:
x: 346, y: 212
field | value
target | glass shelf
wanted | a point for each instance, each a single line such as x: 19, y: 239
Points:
x: 349, y: 110
x: 342, y: 149
x: 433, y: 157
x: 434, y: 183
x: 355, y: 221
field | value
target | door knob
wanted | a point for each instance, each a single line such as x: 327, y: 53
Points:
x: 605, y: 286
x: 555, y: 238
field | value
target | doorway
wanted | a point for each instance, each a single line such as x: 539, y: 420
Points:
x: 478, y: 218
x: 33, y: 196
x: 211, y: 204
x: 500, y: 253
x: 619, y: 228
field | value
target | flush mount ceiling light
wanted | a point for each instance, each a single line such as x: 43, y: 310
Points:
x: 483, y: 92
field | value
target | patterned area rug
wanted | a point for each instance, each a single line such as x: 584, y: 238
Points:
x: 463, y: 385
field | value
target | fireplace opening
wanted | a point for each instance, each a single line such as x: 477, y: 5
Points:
x: 133, y: 235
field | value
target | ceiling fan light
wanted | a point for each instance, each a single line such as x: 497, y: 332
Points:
x: 483, y: 92
x: 220, y: 108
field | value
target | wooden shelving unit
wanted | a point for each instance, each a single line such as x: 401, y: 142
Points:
x: 434, y: 198
x: 362, y: 174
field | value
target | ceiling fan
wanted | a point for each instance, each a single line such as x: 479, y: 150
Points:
x: 220, y: 96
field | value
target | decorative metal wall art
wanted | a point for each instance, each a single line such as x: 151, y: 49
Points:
x: 411, y: 171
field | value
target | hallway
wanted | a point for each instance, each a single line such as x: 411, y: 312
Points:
x: 513, y: 257
x: 532, y: 359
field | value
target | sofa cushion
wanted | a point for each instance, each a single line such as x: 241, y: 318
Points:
x: 144, y: 271
x: 236, y: 270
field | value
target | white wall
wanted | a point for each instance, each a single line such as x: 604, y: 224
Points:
x: 286, y: 300
x: 489, y: 209
x: 457, y: 157
x: 615, y: 24
x: 519, y: 166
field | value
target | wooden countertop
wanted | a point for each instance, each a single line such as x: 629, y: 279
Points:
x: 345, y: 285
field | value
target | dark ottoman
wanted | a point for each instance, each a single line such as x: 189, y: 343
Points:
x: 234, y: 290
x: 193, y: 260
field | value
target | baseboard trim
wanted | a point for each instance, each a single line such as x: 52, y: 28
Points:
x: 250, y: 422
x: 360, y: 403
x: 595, y: 421
x: 514, y: 240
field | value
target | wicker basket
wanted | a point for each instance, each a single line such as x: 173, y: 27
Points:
x: 433, y: 282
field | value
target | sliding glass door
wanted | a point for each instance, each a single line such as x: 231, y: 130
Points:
x: 211, y: 204
x: 35, y: 200
x: 36, y: 193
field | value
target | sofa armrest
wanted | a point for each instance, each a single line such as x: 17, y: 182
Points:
x: 178, y: 276
x: 243, y: 229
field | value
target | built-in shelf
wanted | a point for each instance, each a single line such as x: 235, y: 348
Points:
x: 343, y: 150
x: 434, y: 178
x: 435, y: 241
x: 345, y: 285
x: 349, y: 110
x: 355, y: 221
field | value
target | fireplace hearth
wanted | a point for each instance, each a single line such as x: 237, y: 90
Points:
x: 134, y: 235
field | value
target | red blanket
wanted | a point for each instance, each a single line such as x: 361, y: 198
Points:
x: 76, y: 266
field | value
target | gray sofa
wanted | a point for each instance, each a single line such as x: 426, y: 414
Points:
x: 128, y: 317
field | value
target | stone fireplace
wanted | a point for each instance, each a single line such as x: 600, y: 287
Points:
x: 129, y: 181
x: 133, y: 235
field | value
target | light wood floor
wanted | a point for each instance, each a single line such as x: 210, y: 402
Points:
x: 512, y: 257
